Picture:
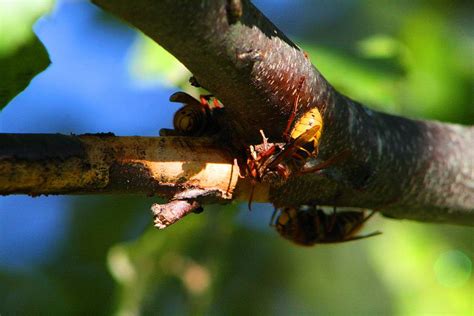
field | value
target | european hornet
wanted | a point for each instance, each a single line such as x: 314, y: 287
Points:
x: 301, y: 143
x: 307, y: 227
x: 195, y: 118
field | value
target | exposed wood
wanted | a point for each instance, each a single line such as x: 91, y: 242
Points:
x: 103, y: 163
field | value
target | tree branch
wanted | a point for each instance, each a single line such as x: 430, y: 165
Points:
x: 409, y: 169
x: 406, y: 168
x: 103, y: 163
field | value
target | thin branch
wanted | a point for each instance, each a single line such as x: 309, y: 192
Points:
x: 103, y: 163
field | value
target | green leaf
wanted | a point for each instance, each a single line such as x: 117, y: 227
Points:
x: 19, y: 68
x: 22, y: 55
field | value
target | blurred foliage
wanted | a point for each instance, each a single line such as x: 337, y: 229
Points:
x: 427, y: 272
x: 405, y: 57
x: 419, y: 66
x: 22, y: 55
x: 370, y: 82
x: 426, y: 72
x: 151, y: 64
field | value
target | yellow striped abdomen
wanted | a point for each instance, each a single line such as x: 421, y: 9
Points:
x: 306, y: 122
x: 305, y: 135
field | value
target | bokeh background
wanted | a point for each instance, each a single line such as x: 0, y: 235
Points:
x: 99, y: 255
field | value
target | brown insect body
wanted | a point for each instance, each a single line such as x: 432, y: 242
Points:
x: 292, y: 156
x: 312, y: 226
x: 302, y: 141
x: 302, y: 145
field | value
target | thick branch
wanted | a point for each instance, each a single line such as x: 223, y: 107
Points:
x: 410, y: 169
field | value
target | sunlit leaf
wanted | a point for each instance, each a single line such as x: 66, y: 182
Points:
x: 22, y: 56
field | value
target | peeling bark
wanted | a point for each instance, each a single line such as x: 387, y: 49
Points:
x: 169, y: 213
x: 103, y: 163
